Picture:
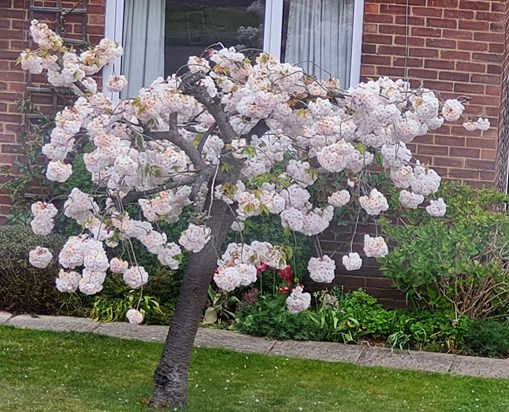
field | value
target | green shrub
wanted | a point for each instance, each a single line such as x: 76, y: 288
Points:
x: 487, y: 338
x: 24, y: 288
x: 269, y: 317
x: 455, y: 263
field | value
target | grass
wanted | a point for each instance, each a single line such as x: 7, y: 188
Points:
x: 73, y: 372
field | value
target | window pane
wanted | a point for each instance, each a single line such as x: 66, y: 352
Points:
x: 317, y: 35
x: 192, y: 26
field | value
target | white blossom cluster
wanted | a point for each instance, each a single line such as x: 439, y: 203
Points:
x: 298, y: 300
x: 322, y: 270
x: 42, y: 223
x: 375, y: 246
x: 375, y: 203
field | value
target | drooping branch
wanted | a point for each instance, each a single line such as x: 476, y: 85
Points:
x: 205, y: 136
x: 134, y: 196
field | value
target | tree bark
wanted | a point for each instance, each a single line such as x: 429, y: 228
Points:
x: 171, y: 375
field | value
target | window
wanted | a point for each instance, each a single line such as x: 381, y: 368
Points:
x: 322, y: 36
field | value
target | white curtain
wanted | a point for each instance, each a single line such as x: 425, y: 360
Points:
x: 143, y: 42
x: 319, y: 37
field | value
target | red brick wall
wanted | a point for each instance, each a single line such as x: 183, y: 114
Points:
x: 13, y: 81
x: 455, y: 47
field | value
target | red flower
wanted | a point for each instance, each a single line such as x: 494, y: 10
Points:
x: 286, y: 274
x: 286, y: 289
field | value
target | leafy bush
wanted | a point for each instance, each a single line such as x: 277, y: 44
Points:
x: 269, y: 317
x: 487, y: 338
x: 24, y: 288
x: 456, y: 263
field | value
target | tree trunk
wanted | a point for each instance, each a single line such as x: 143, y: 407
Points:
x: 171, y: 375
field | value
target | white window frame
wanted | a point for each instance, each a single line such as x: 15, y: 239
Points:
x: 114, y: 25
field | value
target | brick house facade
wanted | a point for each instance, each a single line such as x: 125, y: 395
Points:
x: 455, y: 47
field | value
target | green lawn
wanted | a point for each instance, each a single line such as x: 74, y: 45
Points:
x: 68, y: 372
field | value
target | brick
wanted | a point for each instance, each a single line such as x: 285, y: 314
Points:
x: 493, y: 17
x: 497, y: 27
x: 441, y: 43
x: 481, y: 143
x: 458, y: 34
x: 402, y: 62
x: 410, y: 20
x: 378, y: 18
x: 455, y: 55
x: 464, y: 152
x: 439, y: 64
x: 459, y: 14
x: 394, y: 10
x: 380, y: 60
x: 474, y: 25
x: 423, y: 73
x: 443, y: 23
x: 480, y: 164
x: 432, y: 150
x: 489, y: 37
x: 368, y: 49
x: 454, y: 76
x: 410, y: 41
x: 392, y: 50
x: 450, y: 141
x: 371, y: 8
x: 423, y: 52
x: 425, y: 32
x: 377, y: 39
x: 494, y: 69
x: 370, y: 28
x: 474, y: 5
x: 472, y: 45
x: 438, y: 86
x: 496, y: 48
x: 469, y: 88
x: 446, y: 4
x: 488, y: 155
x: 486, y: 57
x: 499, y: 6
x: 486, y: 79
x: 448, y: 162
x: 428, y: 12
x: 390, y: 29
x: 470, y: 67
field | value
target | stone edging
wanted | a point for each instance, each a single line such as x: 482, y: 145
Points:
x: 325, y: 351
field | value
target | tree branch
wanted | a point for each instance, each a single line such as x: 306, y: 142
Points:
x: 133, y: 196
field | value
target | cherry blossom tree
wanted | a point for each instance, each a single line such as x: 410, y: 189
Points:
x: 230, y: 138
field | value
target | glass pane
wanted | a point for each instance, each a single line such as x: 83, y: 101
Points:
x: 192, y: 26
x: 317, y: 35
